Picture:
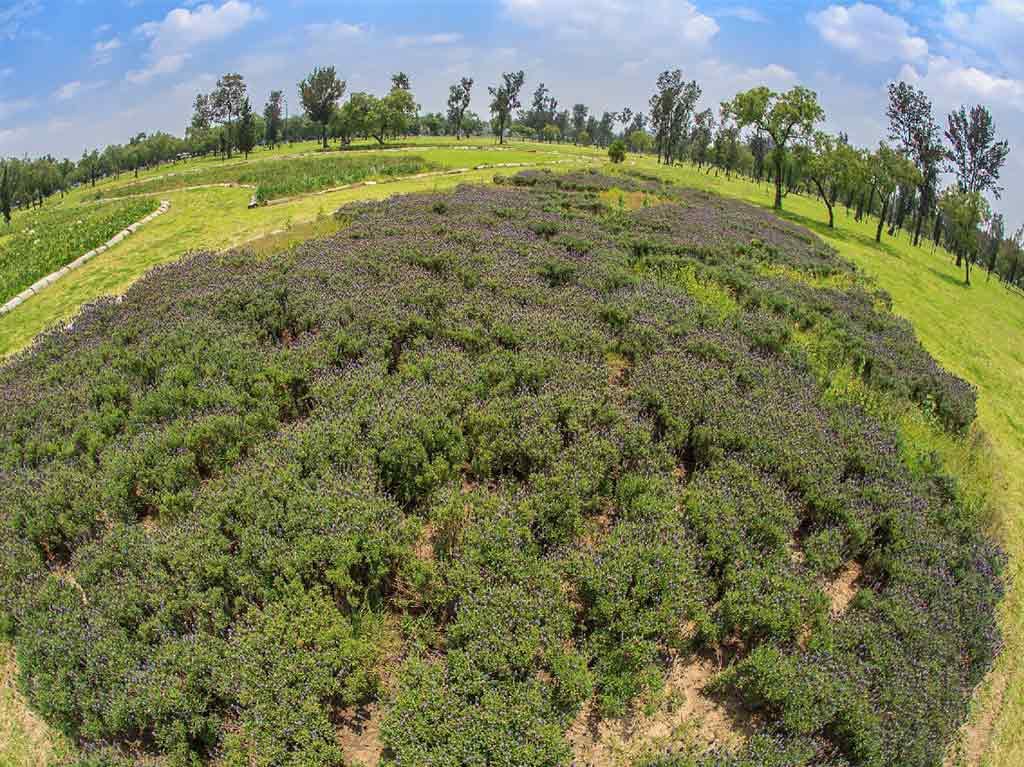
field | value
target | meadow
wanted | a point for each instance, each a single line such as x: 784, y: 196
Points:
x: 819, y: 308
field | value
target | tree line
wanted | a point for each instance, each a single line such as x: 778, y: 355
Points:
x: 766, y: 135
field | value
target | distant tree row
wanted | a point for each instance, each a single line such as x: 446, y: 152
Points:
x: 763, y: 134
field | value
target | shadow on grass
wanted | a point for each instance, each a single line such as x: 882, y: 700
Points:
x: 948, y: 278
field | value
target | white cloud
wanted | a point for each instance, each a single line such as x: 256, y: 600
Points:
x: 869, y: 32
x: 628, y: 25
x: 440, y: 38
x: 182, y: 29
x: 164, y: 65
x: 69, y: 90
x: 336, y: 31
x: 102, y: 52
x: 951, y: 83
x: 993, y: 26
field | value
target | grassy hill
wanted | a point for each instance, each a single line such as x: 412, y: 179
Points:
x: 974, y: 333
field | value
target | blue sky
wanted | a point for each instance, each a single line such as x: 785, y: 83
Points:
x: 83, y: 73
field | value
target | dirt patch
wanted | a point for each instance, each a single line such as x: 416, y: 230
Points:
x: 359, y: 735
x: 25, y: 739
x: 843, y: 588
x: 682, y: 718
x: 618, y: 369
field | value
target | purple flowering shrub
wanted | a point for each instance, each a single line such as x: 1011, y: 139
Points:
x: 478, y: 459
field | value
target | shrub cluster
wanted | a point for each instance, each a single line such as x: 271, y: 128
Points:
x: 478, y: 458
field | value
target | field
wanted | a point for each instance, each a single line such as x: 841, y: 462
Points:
x: 43, y: 240
x: 956, y: 325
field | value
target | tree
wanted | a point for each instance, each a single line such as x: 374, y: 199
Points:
x: 640, y: 141
x: 888, y: 170
x: 828, y: 163
x: 782, y: 116
x: 912, y: 126
x: 963, y: 212
x: 974, y: 154
x: 583, y: 138
x: 996, y: 232
x: 272, y: 118
x: 8, y: 185
x: 203, y: 113
x: 505, y: 99
x: 226, y: 102
x: 542, y: 111
x: 319, y: 93
x: 700, y: 137
x: 400, y: 81
x: 579, y: 120
x: 246, y: 138
x: 459, y: 96
x: 617, y: 151
x: 551, y: 133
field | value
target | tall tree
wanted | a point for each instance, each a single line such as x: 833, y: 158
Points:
x: 579, y: 120
x: 963, y: 212
x: 8, y: 186
x: 319, y: 93
x: 828, y: 166
x: 246, y: 129
x: 505, y: 99
x: 543, y: 109
x: 783, y: 116
x: 459, y: 96
x: 226, y: 102
x: 975, y: 156
x: 273, y: 115
x: 913, y: 127
x: 888, y: 171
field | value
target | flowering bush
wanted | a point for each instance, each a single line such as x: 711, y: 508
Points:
x: 480, y: 458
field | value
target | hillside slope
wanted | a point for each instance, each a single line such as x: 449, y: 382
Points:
x: 482, y: 461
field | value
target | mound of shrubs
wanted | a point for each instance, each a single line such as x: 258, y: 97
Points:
x: 481, y: 460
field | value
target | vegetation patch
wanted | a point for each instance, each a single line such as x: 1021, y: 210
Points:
x: 526, y: 443
x: 43, y: 240
x: 277, y: 179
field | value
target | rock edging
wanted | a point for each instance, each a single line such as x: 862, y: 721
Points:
x: 51, y: 278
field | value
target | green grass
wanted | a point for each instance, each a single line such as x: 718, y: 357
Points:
x: 43, y: 240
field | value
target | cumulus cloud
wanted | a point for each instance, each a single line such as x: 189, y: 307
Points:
x: 951, y: 83
x: 868, y: 32
x: 629, y: 25
x: 993, y: 26
x: 164, y: 65
x: 183, y: 28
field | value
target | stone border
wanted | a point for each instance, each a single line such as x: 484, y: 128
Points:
x: 51, y: 278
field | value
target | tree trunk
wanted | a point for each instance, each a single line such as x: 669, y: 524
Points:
x: 778, y: 182
x: 967, y: 271
x: 881, y: 219
x: 324, y: 136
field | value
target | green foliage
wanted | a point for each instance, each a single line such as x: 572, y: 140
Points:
x: 506, y: 451
x: 43, y: 240
x: 617, y: 151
